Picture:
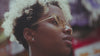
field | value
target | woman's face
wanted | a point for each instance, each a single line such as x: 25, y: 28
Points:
x: 51, y: 38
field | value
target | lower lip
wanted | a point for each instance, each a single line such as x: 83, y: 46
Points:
x: 68, y: 43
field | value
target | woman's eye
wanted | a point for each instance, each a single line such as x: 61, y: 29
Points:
x: 54, y: 22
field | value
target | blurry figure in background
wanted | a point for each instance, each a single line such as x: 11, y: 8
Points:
x: 2, y: 38
x: 7, y: 47
x: 86, y: 27
x: 4, y: 41
x: 42, y: 26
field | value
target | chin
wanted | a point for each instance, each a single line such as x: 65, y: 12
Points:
x: 66, y: 51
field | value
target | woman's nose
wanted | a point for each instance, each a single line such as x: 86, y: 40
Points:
x: 67, y: 30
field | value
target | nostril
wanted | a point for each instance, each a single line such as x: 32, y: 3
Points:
x: 68, y: 31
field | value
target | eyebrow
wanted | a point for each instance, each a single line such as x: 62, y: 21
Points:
x: 43, y: 20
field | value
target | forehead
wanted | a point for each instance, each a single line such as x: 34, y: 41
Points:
x: 53, y: 10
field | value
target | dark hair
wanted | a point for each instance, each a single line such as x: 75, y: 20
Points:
x: 25, y: 21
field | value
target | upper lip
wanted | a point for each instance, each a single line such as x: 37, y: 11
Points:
x: 68, y: 40
x: 68, y: 37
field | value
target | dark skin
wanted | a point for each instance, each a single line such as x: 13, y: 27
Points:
x: 49, y: 39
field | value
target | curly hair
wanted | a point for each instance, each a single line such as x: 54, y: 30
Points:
x: 27, y: 13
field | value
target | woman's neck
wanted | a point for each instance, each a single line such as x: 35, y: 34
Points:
x: 36, y: 52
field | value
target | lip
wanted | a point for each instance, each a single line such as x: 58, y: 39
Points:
x: 68, y: 40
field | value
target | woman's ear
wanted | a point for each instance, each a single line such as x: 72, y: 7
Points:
x: 29, y: 34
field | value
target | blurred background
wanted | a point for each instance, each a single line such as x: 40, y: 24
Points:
x: 86, y: 27
x: 8, y: 45
x: 85, y: 24
x: 86, y: 16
